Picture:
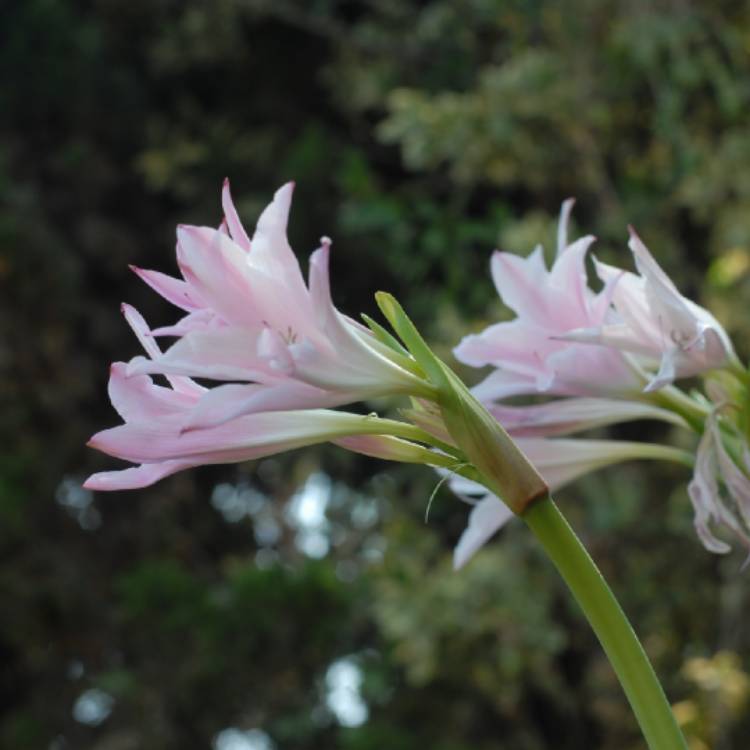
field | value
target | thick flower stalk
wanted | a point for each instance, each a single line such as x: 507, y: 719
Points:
x: 501, y: 468
x: 599, y: 358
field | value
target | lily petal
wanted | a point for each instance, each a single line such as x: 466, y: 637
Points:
x: 227, y: 402
x: 136, y: 477
x: 176, y: 291
x: 564, y: 416
x: 138, y: 398
x: 533, y: 353
x: 559, y: 461
x: 487, y: 517
x: 251, y: 320
x: 234, y: 225
x: 146, y: 339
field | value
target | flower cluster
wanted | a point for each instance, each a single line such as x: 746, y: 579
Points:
x: 607, y: 357
x: 281, y: 357
x: 280, y: 353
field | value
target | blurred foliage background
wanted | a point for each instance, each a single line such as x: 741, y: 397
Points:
x: 303, y: 602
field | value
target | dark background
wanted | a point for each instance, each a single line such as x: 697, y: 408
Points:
x: 230, y: 607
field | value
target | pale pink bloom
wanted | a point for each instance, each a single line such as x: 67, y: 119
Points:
x: 655, y: 322
x: 559, y: 461
x: 529, y: 352
x: 140, y: 328
x: 152, y: 435
x: 720, y: 490
x: 488, y: 516
x: 251, y: 318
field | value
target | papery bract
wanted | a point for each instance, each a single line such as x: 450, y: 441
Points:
x: 485, y: 446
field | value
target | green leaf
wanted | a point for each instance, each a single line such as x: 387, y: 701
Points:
x: 411, y: 337
x: 383, y: 336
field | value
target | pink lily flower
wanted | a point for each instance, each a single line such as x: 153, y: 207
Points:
x: 559, y: 461
x: 154, y: 437
x: 251, y: 318
x: 529, y: 352
x: 152, y: 434
x: 655, y: 322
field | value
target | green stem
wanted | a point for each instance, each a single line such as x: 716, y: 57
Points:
x: 737, y: 369
x: 689, y: 409
x: 610, y: 624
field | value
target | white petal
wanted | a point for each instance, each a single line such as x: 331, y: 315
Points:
x: 236, y: 230
x: 146, y: 339
x: 136, y: 477
x: 486, y: 518
x: 562, y: 225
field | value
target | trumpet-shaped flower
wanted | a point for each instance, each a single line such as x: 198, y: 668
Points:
x: 657, y: 323
x: 152, y: 436
x: 251, y: 318
x: 529, y: 353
